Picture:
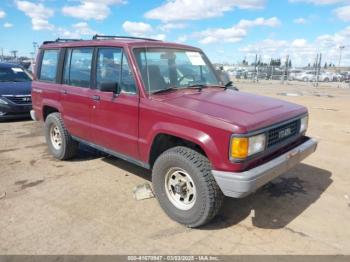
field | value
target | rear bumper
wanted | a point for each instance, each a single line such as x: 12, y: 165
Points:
x: 241, y: 184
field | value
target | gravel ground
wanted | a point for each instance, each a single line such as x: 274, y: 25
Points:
x: 86, y: 206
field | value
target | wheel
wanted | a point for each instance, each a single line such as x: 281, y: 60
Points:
x: 326, y: 79
x: 60, y: 143
x: 305, y: 79
x: 185, y: 187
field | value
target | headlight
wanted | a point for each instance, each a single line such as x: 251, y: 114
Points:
x: 242, y: 147
x: 2, y: 101
x: 303, y: 124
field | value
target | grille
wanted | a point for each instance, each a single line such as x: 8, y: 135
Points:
x: 281, y: 133
x: 20, y: 99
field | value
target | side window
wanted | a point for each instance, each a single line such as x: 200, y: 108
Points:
x: 113, y: 67
x: 77, y: 69
x: 49, y: 65
x: 127, y: 79
x: 108, y: 65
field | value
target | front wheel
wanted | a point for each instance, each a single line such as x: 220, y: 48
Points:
x: 185, y: 187
x: 60, y: 143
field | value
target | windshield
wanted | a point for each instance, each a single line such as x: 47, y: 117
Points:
x: 14, y: 74
x: 163, y: 68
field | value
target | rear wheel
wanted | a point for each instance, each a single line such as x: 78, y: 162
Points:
x: 185, y: 187
x: 60, y: 143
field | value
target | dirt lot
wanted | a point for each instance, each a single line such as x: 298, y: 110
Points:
x: 86, y: 206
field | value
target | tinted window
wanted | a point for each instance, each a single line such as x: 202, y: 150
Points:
x: 77, y: 70
x: 49, y: 65
x: 14, y: 74
x: 113, y: 67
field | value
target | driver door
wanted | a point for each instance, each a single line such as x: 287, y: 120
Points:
x: 115, y: 116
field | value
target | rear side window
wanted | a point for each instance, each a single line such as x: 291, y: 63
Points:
x: 49, y: 65
x: 77, y: 68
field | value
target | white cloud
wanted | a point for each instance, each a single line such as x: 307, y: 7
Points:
x: 180, y: 10
x: 170, y: 26
x: 343, y: 13
x: 299, y: 43
x: 91, y: 9
x: 8, y: 25
x: 137, y: 28
x: 318, y: 2
x: 2, y: 14
x: 77, y: 30
x: 140, y: 29
x: 235, y: 33
x: 38, y: 13
x: 272, y: 22
x: 300, y: 21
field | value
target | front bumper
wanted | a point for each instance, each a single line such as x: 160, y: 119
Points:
x: 241, y: 184
x: 10, y: 111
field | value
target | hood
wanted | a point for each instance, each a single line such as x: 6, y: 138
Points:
x: 15, y: 88
x: 246, y: 111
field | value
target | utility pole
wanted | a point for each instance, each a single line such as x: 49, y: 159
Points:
x: 341, y: 48
x: 255, y: 70
x: 317, y: 68
x: 285, y: 73
x: 14, y: 53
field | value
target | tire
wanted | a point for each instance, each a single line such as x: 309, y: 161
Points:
x: 326, y: 80
x: 305, y: 79
x: 61, y: 144
x: 207, y: 197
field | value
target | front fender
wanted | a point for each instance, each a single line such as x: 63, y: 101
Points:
x: 204, y: 140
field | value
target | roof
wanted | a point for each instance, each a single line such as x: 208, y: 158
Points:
x: 114, y: 41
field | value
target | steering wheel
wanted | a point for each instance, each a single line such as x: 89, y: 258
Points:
x: 179, y: 80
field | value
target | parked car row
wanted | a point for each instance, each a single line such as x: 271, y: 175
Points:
x: 274, y: 73
x: 311, y: 76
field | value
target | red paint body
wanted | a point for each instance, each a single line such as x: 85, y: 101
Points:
x: 129, y: 124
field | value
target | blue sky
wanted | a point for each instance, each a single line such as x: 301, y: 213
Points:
x: 227, y: 30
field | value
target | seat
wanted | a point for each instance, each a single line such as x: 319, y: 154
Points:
x: 154, y: 81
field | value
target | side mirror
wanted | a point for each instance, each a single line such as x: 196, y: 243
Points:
x: 110, y: 87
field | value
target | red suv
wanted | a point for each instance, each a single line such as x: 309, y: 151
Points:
x: 162, y: 106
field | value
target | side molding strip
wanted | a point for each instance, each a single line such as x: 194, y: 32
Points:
x: 114, y: 153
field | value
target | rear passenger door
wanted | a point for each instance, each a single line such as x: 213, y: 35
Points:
x: 76, y: 95
x: 115, y: 116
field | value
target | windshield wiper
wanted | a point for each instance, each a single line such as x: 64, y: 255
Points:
x: 165, y: 90
x: 230, y: 84
x: 197, y: 86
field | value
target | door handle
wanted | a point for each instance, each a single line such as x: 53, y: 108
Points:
x: 64, y: 92
x: 96, y: 97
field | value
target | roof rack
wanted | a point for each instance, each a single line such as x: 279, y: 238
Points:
x: 104, y: 37
x: 62, y: 40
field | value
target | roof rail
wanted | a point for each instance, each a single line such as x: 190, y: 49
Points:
x: 104, y: 37
x: 62, y: 40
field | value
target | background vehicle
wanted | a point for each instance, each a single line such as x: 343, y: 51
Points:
x: 161, y: 106
x: 293, y: 74
x: 345, y: 77
x: 15, y: 91
x: 307, y: 76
